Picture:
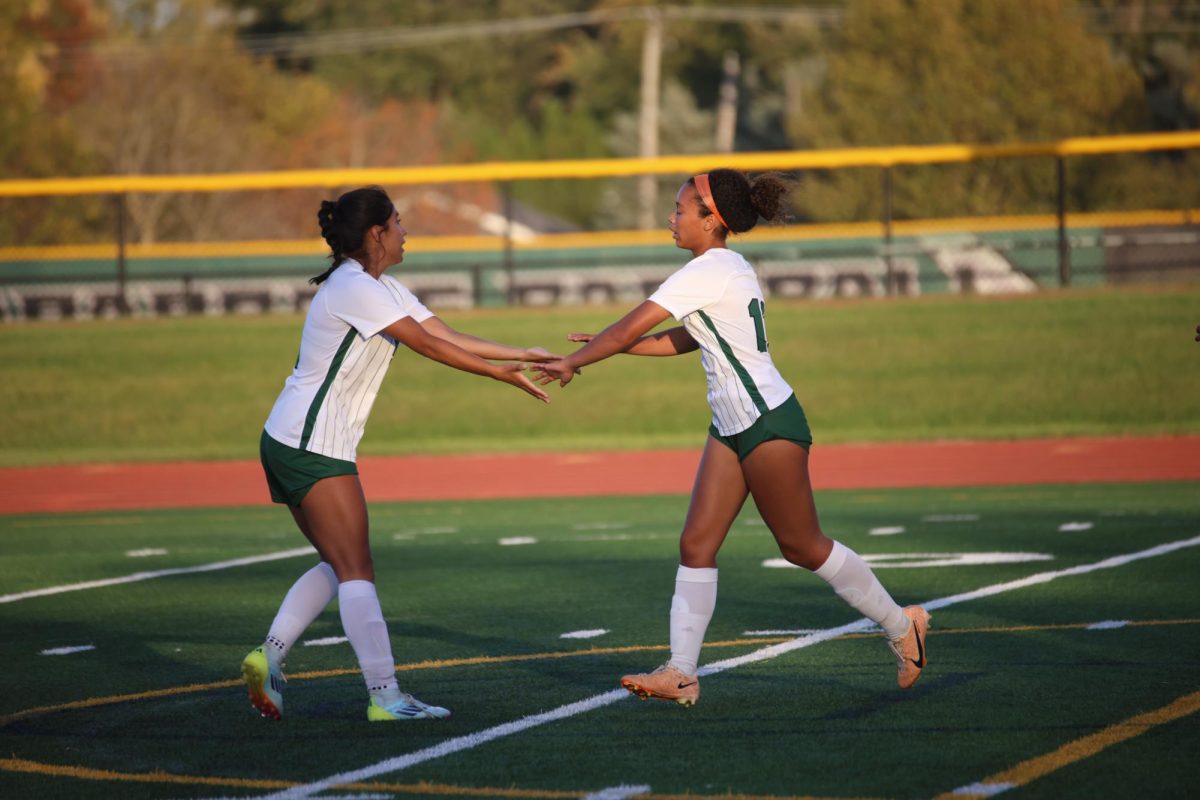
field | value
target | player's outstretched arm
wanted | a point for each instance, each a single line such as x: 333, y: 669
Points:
x: 671, y: 342
x: 421, y: 341
x: 486, y: 348
x: 616, y: 338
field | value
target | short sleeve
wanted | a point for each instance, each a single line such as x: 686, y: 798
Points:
x: 699, y: 283
x: 366, y: 305
x: 408, y: 301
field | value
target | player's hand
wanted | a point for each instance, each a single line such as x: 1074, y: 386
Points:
x: 587, y: 337
x: 515, y: 374
x: 1198, y: 333
x: 555, y: 371
x: 539, y: 355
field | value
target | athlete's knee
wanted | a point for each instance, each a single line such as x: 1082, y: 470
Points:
x: 353, y: 567
x: 696, y: 553
x: 809, y: 553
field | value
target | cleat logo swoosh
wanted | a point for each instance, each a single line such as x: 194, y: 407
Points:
x: 686, y: 685
x: 919, y: 661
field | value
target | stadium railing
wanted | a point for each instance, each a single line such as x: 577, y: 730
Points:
x: 883, y: 257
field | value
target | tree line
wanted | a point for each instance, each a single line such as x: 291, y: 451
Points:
x: 145, y: 86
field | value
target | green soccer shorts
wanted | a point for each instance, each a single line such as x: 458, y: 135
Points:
x: 292, y: 472
x: 785, y: 421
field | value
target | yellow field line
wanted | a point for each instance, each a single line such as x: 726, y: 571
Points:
x: 93, y: 702
x: 85, y: 773
x: 1088, y: 746
x: 419, y: 788
x: 599, y: 167
x: 151, y: 694
x: 1018, y: 775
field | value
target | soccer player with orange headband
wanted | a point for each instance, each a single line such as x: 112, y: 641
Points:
x: 759, y: 438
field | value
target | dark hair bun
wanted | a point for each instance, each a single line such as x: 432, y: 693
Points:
x: 325, y: 218
x: 742, y: 202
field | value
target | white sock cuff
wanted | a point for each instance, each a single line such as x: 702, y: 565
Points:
x: 354, y: 589
x: 326, y: 572
x: 696, y: 574
x: 833, y: 564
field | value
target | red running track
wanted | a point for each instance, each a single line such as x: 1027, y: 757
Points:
x: 100, y: 487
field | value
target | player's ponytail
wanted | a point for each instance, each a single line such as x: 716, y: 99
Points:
x: 345, y: 222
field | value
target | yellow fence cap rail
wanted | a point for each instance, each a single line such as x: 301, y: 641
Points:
x: 595, y: 168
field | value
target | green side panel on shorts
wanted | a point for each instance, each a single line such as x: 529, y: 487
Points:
x: 747, y: 381
x: 315, y: 408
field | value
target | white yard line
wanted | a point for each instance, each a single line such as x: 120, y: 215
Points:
x: 1108, y: 625
x: 159, y: 573
x: 325, y: 641
x: 618, y: 792
x: 453, y: 745
x: 472, y: 740
x: 590, y: 633
x: 983, y: 789
x: 66, y: 651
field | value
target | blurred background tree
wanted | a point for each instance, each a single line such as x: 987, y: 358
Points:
x: 45, y: 68
x: 185, y: 98
x: 120, y: 86
x: 940, y: 71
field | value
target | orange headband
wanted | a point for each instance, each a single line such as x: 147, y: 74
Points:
x: 707, y: 198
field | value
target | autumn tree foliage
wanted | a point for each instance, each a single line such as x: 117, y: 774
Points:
x: 146, y: 86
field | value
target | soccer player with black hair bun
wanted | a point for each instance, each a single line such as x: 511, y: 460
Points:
x: 358, y: 319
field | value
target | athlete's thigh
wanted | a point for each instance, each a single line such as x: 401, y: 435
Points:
x: 717, y: 496
x: 305, y: 528
x: 335, y: 512
x: 777, y: 473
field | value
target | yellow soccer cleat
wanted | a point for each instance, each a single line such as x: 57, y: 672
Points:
x: 265, y: 682
x: 407, y: 707
x: 664, y: 683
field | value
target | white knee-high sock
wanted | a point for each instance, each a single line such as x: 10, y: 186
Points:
x: 307, y: 598
x: 362, y: 619
x: 691, y: 609
x: 855, y: 583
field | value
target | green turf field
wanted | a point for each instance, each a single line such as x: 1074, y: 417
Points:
x: 1014, y: 675
x: 1088, y: 362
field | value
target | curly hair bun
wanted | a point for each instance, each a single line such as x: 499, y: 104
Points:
x: 743, y: 202
x: 767, y: 195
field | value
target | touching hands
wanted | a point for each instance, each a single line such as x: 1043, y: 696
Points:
x: 555, y: 371
x: 539, y: 355
x: 514, y: 373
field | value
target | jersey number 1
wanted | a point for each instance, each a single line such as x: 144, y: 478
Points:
x: 757, y: 309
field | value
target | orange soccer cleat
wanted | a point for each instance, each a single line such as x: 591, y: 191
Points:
x: 910, y: 649
x: 664, y: 683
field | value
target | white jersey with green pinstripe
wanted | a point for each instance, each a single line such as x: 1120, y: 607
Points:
x: 343, y: 357
x: 717, y: 298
